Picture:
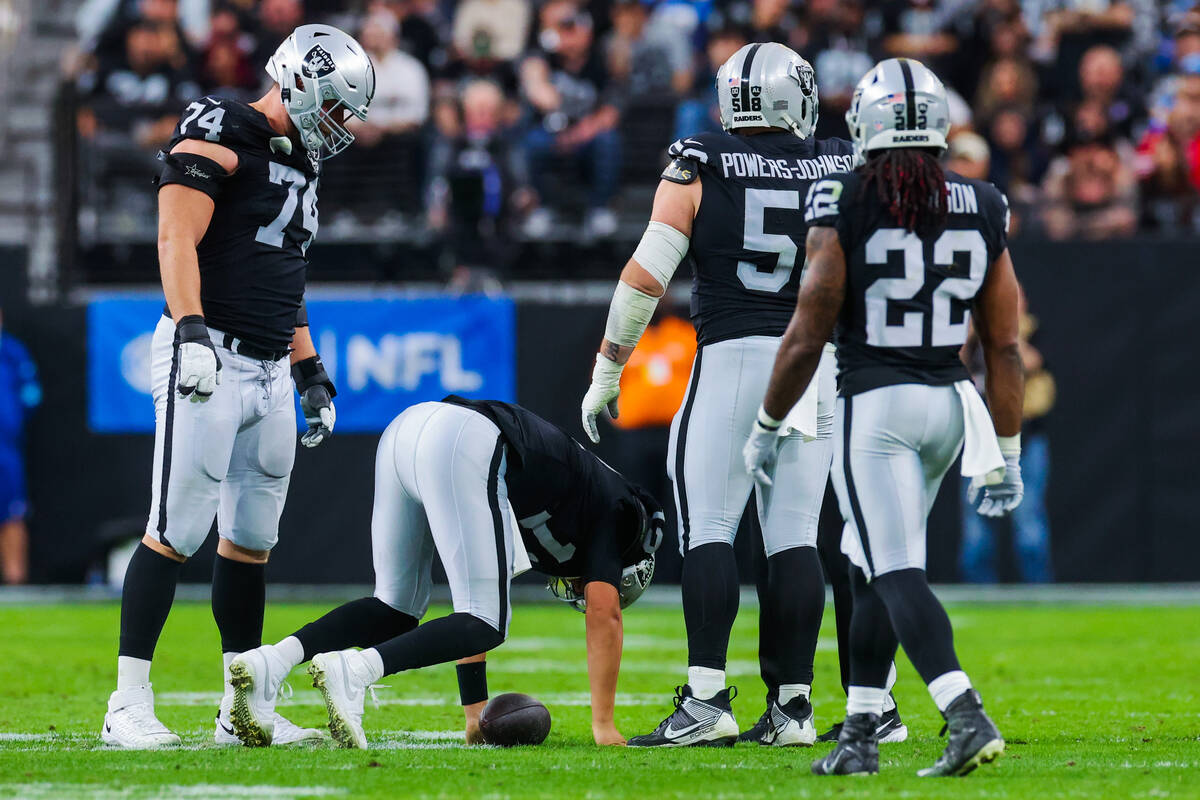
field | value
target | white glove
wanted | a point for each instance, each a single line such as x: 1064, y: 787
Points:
x: 762, y: 448
x: 319, y: 413
x: 199, y: 368
x: 601, y: 395
x: 1000, y: 498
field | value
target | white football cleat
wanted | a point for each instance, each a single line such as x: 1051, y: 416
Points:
x: 791, y: 724
x: 256, y: 676
x: 288, y: 732
x: 343, y: 680
x: 130, y: 722
x: 285, y: 732
x: 695, y: 722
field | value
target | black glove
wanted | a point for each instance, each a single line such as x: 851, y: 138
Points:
x: 316, y: 400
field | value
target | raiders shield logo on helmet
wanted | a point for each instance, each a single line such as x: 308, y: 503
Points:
x: 805, y: 78
x: 318, y: 63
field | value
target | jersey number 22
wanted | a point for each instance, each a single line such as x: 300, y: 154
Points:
x: 909, y: 332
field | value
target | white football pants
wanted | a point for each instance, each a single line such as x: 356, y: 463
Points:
x: 892, y: 447
x: 704, y: 458
x: 439, y: 486
x: 230, y: 456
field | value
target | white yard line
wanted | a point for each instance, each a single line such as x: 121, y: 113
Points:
x: 199, y: 791
x: 313, y: 698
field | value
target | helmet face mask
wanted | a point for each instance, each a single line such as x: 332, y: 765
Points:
x: 900, y: 103
x: 767, y: 85
x: 634, y: 580
x: 324, y: 75
x: 651, y: 527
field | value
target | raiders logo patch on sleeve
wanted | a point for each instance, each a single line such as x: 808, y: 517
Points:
x: 680, y: 170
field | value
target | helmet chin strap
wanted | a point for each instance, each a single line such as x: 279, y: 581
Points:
x: 795, y: 126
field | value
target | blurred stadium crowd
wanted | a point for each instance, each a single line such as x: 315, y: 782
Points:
x: 498, y: 121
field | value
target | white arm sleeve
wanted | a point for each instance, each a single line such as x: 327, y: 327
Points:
x: 628, y: 315
x: 660, y: 251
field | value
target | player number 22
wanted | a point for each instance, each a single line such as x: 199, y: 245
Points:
x: 272, y: 234
x: 909, y: 332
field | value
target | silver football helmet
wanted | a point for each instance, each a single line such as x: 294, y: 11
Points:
x: 899, y: 103
x: 634, y: 580
x: 317, y: 64
x: 768, y: 85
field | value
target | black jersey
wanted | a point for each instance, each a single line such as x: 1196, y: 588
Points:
x: 749, y: 231
x: 252, y: 258
x: 908, y: 299
x: 579, y: 517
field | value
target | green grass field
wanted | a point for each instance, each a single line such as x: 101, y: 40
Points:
x: 1094, y: 702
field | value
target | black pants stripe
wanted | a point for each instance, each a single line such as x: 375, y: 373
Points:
x: 685, y: 525
x: 168, y: 433
x: 855, y: 507
x: 502, y: 571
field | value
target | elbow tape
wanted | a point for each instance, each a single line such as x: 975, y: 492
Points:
x: 660, y: 251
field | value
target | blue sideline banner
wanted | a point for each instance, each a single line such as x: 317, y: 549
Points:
x: 383, y: 355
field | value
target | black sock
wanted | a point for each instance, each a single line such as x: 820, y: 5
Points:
x: 239, y: 601
x: 872, y: 642
x: 768, y: 638
x: 920, y: 622
x: 710, y: 602
x: 794, y: 604
x: 146, y: 600
x: 360, y: 623
x: 437, y: 642
x: 837, y: 572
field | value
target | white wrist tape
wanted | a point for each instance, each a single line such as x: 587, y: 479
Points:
x: 660, y: 251
x: 628, y: 315
x: 1009, y: 445
x: 767, y: 421
x: 607, y: 373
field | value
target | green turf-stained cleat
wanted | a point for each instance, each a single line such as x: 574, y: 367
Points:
x: 342, y: 679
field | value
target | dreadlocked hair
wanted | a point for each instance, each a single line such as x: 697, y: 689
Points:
x: 911, y: 184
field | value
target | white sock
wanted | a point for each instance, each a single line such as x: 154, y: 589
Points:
x: 374, y: 664
x: 890, y: 683
x: 705, y: 682
x: 291, y: 651
x: 889, y: 703
x: 865, y: 700
x: 788, y: 691
x: 132, y: 673
x: 946, y: 688
x: 226, y: 660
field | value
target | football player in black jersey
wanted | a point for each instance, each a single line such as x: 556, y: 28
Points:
x: 730, y: 203
x: 901, y: 257
x: 237, y: 210
x: 480, y: 483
